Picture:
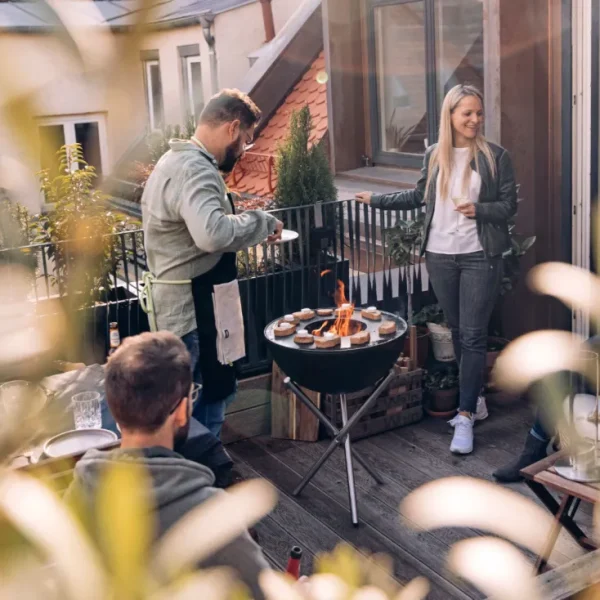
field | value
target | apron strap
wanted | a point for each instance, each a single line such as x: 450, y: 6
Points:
x: 146, y: 301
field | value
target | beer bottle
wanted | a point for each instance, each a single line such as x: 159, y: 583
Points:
x: 114, y: 337
x: 293, y: 566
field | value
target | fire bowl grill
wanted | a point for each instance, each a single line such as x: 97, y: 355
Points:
x: 343, y: 369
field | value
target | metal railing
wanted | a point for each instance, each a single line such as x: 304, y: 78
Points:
x: 340, y: 240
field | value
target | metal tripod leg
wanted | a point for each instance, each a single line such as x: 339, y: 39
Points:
x: 339, y: 436
x: 331, y: 428
x: 349, y: 466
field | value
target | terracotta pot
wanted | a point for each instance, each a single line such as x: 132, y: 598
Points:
x: 442, y: 403
x: 492, y: 355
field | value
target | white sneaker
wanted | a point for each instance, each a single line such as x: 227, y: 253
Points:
x: 462, y: 441
x: 480, y: 414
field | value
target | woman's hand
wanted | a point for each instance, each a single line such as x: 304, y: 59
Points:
x: 364, y: 197
x: 467, y: 209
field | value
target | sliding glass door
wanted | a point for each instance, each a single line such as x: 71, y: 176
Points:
x: 418, y: 50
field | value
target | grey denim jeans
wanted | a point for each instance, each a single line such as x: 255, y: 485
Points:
x: 467, y: 286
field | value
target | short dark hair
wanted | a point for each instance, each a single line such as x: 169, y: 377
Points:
x: 145, y: 378
x: 228, y: 106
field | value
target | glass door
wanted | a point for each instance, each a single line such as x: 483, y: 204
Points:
x: 400, y: 87
x: 419, y: 49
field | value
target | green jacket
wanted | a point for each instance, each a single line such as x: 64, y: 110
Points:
x: 496, y: 207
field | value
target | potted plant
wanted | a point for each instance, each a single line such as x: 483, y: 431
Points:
x: 441, y: 386
x: 432, y: 316
x: 403, y: 243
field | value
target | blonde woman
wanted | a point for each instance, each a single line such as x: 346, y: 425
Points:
x: 468, y: 187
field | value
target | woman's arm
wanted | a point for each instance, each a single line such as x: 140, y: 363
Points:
x: 505, y: 207
x: 403, y: 200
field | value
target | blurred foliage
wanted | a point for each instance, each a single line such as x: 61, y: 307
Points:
x: 79, y: 229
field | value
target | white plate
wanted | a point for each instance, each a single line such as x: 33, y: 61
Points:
x: 78, y: 440
x: 287, y: 235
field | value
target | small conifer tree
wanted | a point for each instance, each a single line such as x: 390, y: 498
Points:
x: 303, y: 173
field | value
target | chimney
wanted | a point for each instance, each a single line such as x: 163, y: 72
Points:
x: 267, y: 11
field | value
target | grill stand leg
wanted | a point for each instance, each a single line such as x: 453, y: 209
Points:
x: 349, y: 465
x: 340, y: 436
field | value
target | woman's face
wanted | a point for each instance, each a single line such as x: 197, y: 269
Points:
x: 467, y: 118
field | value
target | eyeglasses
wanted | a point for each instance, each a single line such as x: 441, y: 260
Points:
x: 190, y: 403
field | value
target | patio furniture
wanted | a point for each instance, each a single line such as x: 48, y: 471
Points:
x: 201, y: 446
x: 542, y: 479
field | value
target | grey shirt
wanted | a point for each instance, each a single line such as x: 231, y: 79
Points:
x: 188, y: 225
x: 177, y: 486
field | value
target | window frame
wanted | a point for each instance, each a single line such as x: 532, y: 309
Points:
x: 399, y: 158
x: 68, y: 123
x: 189, y: 54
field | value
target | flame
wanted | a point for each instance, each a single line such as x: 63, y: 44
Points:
x: 325, y: 272
x: 343, y: 325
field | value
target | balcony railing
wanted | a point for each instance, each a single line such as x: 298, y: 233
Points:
x: 340, y: 240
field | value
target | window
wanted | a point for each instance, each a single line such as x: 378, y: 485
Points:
x: 191, y: 68
x: 194, y: 85
x: 418, y: 50
x: 154, y: 95
x: 87, y: 130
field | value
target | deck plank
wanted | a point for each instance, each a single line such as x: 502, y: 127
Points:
x: 337, y: 517
x: 408, y: 457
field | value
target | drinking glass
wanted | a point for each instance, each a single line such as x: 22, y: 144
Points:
x: 87, y: 410
x: 457, y: 202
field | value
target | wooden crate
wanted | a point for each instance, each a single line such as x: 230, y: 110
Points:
x: 250, y: 414
x: 290, y: 419
x: 401, y: 403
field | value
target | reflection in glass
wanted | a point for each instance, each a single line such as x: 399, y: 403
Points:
x: 459, y: 44
x: 52, y: 137
x: 401, y: 76
x: 88, y: 135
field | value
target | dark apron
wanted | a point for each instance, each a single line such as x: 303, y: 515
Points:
x: 218, y: 381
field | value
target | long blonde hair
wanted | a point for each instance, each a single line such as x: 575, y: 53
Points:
x: 442, y: 155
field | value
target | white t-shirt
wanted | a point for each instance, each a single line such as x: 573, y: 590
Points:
x: 451, y: 232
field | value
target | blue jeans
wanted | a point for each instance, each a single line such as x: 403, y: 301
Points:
x: 210, y: 414
x: 467, y: 286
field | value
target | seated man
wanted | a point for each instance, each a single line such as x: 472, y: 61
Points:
x: 148, y: 390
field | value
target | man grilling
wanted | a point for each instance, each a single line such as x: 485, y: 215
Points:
x: 192, y: 235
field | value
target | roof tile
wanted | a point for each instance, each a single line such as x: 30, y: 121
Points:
x: 254, y: 179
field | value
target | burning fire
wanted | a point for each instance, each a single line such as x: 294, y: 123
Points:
x: 343, y: 325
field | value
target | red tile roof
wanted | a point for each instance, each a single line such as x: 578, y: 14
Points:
x: 255, y: 173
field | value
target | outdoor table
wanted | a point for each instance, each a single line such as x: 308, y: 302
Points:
x: 201, y: 446
x: 542, y: 479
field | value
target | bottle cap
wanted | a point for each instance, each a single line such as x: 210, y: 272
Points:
x: 296, y: 552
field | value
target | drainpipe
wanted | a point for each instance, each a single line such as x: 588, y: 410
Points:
x: 267, y: 11
x: 207, y: 22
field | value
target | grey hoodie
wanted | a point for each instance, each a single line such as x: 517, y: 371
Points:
x: 188, y: 225
x: 179, y: 485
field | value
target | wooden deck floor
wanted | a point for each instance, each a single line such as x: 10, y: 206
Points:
x: 408, y: 457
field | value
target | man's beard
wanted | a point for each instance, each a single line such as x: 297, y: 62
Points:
x: 181, y: 434
x: 231, y: 157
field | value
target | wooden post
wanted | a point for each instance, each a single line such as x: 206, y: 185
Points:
x: 290, y: 419
x: 413, y: 348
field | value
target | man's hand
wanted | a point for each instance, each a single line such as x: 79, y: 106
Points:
x: 364, y: 197
x: 276, y: 236
x: 467, y: 209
